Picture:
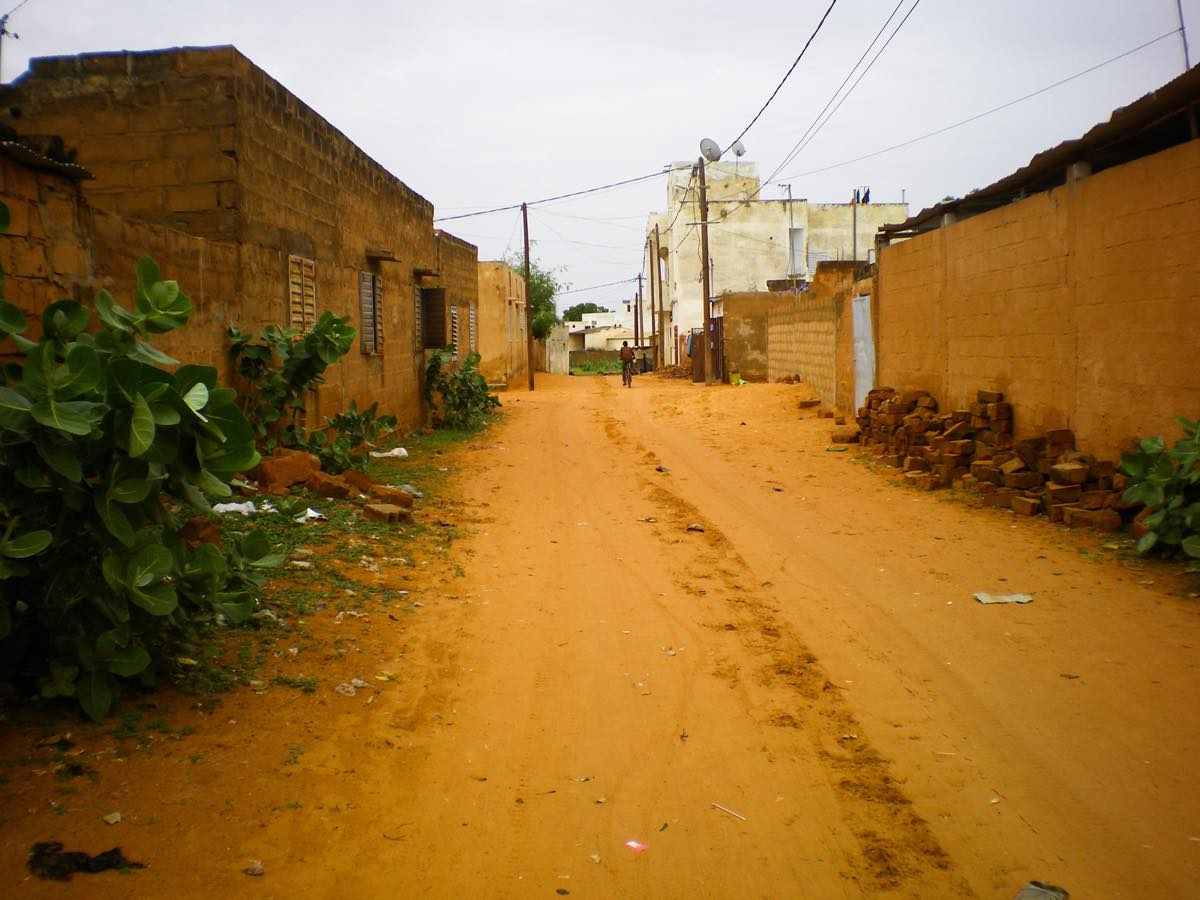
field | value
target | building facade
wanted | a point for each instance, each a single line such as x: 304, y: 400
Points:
x: 203, y: 142
x: 752, y: 241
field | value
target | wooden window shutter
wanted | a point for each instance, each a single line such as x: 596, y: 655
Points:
x: 454, y: 329
x: 472, y: 343
x: 418, y: 325
x: 370, y: 304
x: 302, y: 293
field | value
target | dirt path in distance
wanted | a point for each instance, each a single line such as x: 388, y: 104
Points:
x: 583, y: 670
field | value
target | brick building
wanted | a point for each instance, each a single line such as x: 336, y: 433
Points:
x: 203, y: 142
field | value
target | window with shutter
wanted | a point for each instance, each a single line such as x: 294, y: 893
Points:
x: 454, y: 330
x: 370, y: 304
x: 302, y: 293
x: 471, y: 332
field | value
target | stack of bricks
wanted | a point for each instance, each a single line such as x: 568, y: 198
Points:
x: 976, y: 449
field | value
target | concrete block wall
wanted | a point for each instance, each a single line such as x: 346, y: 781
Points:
x: 202, y: 141
x: 458, y: 276
x: 502, y: 349
x: 1081, y: 304
x: 59, y: 247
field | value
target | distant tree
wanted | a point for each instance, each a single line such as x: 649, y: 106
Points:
x: 576, y: 313
x: 544, y: 284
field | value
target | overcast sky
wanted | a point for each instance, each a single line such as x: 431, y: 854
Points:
x: 487, y: 103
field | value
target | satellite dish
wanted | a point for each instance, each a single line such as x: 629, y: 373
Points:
x: 739, y: 149
x: 711, y: 149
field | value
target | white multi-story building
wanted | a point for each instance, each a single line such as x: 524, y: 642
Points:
x: 751, y: 240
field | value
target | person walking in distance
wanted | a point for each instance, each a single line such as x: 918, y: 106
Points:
x: 626, y: 364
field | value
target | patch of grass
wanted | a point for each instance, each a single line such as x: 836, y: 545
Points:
x: 598, y: 367
x: 300, y: 682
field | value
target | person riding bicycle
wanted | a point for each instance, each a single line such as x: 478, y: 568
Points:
x: 626, y: 364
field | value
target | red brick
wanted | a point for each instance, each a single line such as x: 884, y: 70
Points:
x: 1026, y: 506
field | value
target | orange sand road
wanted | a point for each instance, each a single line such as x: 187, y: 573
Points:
x: 812, y: 661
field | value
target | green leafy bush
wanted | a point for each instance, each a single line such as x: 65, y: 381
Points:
x: 282, y: 367
x: 465, y: 400
x: 103, y: 456
x: 343, y: 445
x: 1168, y: 483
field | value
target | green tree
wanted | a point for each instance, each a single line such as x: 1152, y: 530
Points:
x: 576, y: 313
x: 544, y: 284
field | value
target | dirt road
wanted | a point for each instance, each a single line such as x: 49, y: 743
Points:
x: 584, y: 671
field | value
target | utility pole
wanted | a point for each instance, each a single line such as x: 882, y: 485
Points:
x: 654, y: 328
x: 528, y: 300
x: 662, y: 353
x: 639, y: 329
x: 791, y: 241
x: 704, y: 278
x: 854, y: 226
x: 1187, y: 61
x: 4, y: 32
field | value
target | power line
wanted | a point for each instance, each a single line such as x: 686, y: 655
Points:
x: 804, y: 142
x: 849, y: 75
x: 15, y: 8
x: 994, y: 109
x: 603, y: 187
x: 785, y: 77
x: 595, y: 287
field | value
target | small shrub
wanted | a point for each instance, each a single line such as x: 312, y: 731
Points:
x: 104, y: 454
x: 1168, y: 483
x: 465, y: 400
x: 282, y: 367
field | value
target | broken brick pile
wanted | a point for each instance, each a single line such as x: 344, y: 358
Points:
x: 975, y: 448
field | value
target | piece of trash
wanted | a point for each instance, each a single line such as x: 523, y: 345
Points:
x: 562, y: 892
x: 409, y: 489
x: 777, y: 488
x: 582, y: 778
x: 255, y: 868
x: 384, y: 676
x: 994, y: 801
x: 346, y: 690
x: 310, y: 515
x: 635, y: 846
x: 112, y: 818
x: 300, y: 564
x: 358, y: 683
x: 48, y: 860
x: 244, y: 508
x: 726, y: 809
x: 662, y: 469
x: 1070, y: 676
x: 595, y: 857
x: 696, y: 526
x: 650, y: 519
x: 394, y: 453
x: 1036, y: 890
x: 479, y: 777
x: 600, y: 801
x: 665, y: 826
x: 1003, y: 598
x: 186, y: 661
x: 836, y: 449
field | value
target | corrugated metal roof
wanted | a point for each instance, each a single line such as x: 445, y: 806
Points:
x: 35, y: 160
x: 1169, y: 100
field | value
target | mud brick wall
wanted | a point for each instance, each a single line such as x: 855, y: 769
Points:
x: 59, y: 247
x: 1084, y: 301
x: 746, y: 331
x: 458, y: 275
x: 502, y: 347
x: 202, y: 141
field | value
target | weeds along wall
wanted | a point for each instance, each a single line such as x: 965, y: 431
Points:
x: 1081, y: 304
x: 204, y: 142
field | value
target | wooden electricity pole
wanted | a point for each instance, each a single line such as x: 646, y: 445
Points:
x: 662, y: 361
x: 639, y: 326
x: 654, y: 335
x: 704, y: 279
x: 528, y: 300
